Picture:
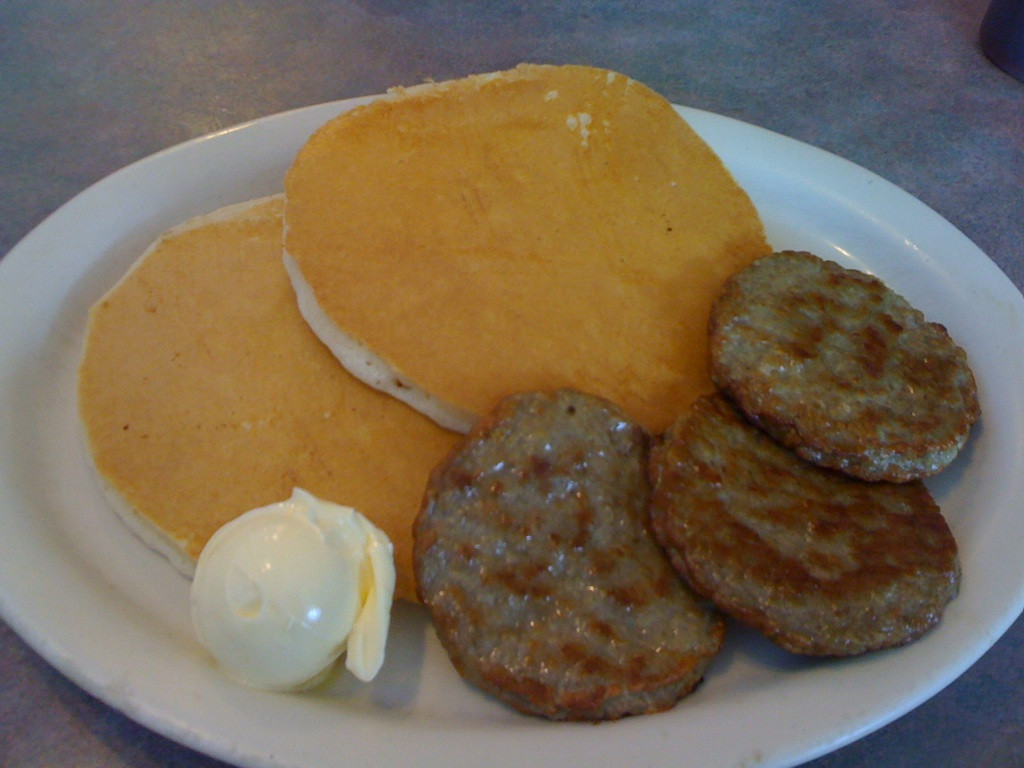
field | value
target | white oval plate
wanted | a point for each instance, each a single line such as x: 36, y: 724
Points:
x: 112, y: 616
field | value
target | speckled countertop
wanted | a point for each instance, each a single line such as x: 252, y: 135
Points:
x: 900, y: 87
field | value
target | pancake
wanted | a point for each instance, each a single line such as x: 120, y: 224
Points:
x: 543, y: 227
x: 204, y: 394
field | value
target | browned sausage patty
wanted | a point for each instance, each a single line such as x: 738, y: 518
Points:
x: 544, y: 583
x: 835, y: 365
x: 820, y: 562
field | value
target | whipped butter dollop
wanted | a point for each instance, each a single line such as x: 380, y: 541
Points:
x: 282, y: 591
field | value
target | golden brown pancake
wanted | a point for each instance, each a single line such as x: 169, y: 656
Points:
x: 204, y: 394
x: 548, y: 226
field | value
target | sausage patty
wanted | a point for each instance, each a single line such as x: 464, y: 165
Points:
x: 822, y: 563
x: 835, y: 365
x: 546, y: 588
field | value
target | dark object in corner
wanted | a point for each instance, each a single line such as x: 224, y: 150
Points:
x: 1002, y: 36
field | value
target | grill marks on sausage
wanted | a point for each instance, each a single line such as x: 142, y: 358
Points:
x: 835, y: 365
x: 820, y: 562
x: 546, y: 587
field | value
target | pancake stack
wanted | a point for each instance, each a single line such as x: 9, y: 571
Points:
x: 446, y: 244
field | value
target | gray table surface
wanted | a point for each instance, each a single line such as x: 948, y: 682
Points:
x: 900, y: 87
